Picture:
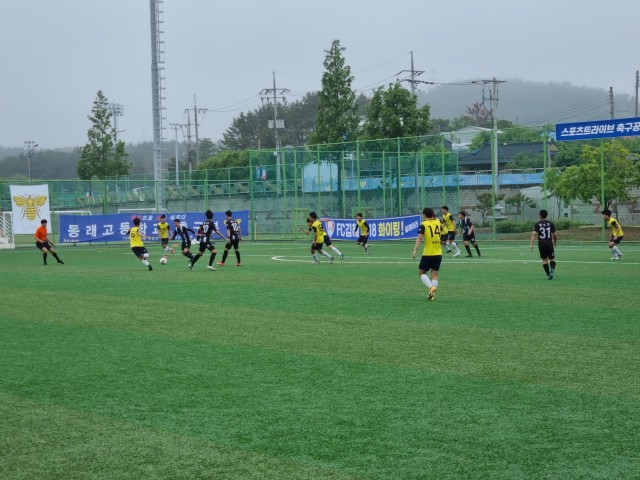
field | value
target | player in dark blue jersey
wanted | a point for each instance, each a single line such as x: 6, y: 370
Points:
x: 183, y: 232
x: 545, y: 231
x: 234, y: 236
x: 204, y: 235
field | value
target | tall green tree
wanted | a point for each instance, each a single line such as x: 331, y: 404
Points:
x: 620, y: 174
x: 394, y: 113
x: 102, y: 156
x: 337, y: 120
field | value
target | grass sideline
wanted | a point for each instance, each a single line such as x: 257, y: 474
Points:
x: 282, y: 369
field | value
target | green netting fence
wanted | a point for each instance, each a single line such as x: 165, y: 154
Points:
x: 387, y: 178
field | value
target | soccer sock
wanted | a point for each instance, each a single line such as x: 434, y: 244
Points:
x: 224, y: 256
x: 145, y: 263
x: 166, y: 250
x: 238, y: 255
x: 336, y: 250
x: 455, y: 246
x: 212, y: 257
x: 553, y: 264
x: 546, y: 268
x: 315, y: 257
x: 468, y: 249
x: 616, y: 250
x: 195, y: 259
x: 434, y: 283
x: 447, y: 246
x: 55, y: 255
x: 477, y: 249
x: 44, y: 257
x: 326, y: 254
x: 426, y: 280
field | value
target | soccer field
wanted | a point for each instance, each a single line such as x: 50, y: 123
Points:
x: 283, y: 369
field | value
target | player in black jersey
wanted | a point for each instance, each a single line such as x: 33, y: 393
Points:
x: 468, y: 233
x: 183, y: 232
x: 233, y: 238
x: 204, y: 235
x: 545, y: 231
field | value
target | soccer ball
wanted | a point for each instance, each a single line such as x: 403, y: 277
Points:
x: 163, y: 261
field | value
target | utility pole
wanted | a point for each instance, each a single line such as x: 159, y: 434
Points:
x: 196, y: 110
x: 31, y: 146
x: 117, y: 110
x: 637, y: 85
x: 273, y: 95
x: 175, y: 127
x: 189, y: 139
x: 611, y: 105
x: 413, y: 73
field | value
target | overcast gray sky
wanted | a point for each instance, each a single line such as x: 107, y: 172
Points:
x: 56, y: 55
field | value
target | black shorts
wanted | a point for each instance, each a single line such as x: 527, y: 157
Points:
x: 235, y: 243
x: 469, y: 238
x: 139, y: 251
x: 317, y: 246
x: 327, y: 241
x: 206, y: 246
x: 546, y: 251
x: 41, y: 245
x: 450, y: 237
x: 617, y: 241
x: 430, y: 262
x: 186, y: 245
x: 165, y: 241
x: 363, y: 239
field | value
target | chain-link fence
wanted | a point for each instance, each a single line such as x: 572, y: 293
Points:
x: 501, y: 185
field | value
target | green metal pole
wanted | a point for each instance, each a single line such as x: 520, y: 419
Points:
x: 358, y: 170
x: 205, y: 187
x: 544, y: 167
x: 602, y: 183
x: 252, y: 215
x: 444, y: 176
x: 295, y: 188
x: 494, y: 179
x: 384, y: 184
x: 422, y: 197
x: 399, y: 179
x: 344, y: 198
x: 318, y: 177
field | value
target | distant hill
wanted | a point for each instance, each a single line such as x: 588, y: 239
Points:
x: 530, y: 103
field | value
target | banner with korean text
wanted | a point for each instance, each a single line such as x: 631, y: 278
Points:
x: 114, y: 227
x: 622, y: 127
x: 393, y: 228
x: 30, y: 205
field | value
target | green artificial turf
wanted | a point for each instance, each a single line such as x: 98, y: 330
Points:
x: 284, y: 369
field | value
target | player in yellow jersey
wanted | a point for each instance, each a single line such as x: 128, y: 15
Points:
x: 164, y: 229
x: 450, y: 238
x: 137, y: 246
x: 430, y: 230
x: 363, y: 239
x: 616, y: 234
x: 316, y: 227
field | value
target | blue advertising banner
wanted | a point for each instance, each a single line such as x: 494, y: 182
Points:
x: 114, y: 227
x: 623, y: 127
x: 394, y: 228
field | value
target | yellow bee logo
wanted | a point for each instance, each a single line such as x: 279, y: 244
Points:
x: 30, y: 204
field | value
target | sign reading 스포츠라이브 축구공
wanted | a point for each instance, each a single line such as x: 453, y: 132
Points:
x: 621, y: 127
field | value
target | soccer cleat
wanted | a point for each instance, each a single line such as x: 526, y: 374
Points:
x: 479, y: 254
x: 432, y: 294
x: 366, y: 249
x: 615, y: 257
x: 190, y: 266
x: 468, y: 256
x: 238, y: 264
x: 457, y: 254
x: 448, y: 251
x: 220, y: 263
x: 45, y: 264
x: 620, y: 257
x: 331, y: 259
x: 210, y: 267
x: 150, y: 268
x: 550, y: 276
x: 316, y: 262
x: 342, y: 256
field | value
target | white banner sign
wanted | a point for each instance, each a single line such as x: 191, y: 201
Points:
x: 30, y: 204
